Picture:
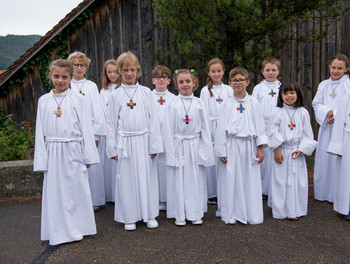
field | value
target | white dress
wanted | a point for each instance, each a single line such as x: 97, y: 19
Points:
x: 214, y: 104
x: 188, y: 149
x: 90, y: 92
x: 133, y: 134
x: 266, y: 93
x: 240, y: 130
x: 161, y: 100
x: 289, y: 180
x: 63, y: 147
x: 339, y: 145
x: 109, y: 166
x: 327, y: 165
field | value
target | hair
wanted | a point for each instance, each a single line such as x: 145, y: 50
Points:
x: 186, y: 71
x: 272, y: 60
x: 238, y: 70
x: 209, y: 80
x: 80, y: 56
x: 60, y: 63
x: 105, y: 80
x: 343, y: 58
x: 161, y: 70
x: 290, y: 86
x: 126, y: 59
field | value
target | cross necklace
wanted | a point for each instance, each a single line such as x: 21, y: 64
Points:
x: 272, y: 93
x: 241, y: 108
x: 58, y: 112
x: 291, y: 124
x: 333, y: 93
x: 161, y: 100
x: 81, y: 87
x: 131, y: 103
x: 186, y: 119
x: 219, y: 99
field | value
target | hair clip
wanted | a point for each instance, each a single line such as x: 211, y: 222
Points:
x: 193, y: 72
x: 177, y: 71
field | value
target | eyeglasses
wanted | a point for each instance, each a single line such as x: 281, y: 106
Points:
x: 239, y: 80
x: 161, y: 77
x: 79, y: 65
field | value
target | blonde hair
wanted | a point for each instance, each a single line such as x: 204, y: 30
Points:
x: 272, y: 60
x: 238, y: 70
x: 186, y: 71
x: 60, y: 63
x: 80, y: 56
x: 209, y: 80
x: 105, y: 80
x: 125, y: 59
x: 161, y: 70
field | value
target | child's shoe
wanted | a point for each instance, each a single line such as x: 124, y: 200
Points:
x: 264, y: 197
x: 97, y: 208
x: 130, y: 227
x: 232, y: 221
x: 152, y: 223
x: 213, y: 200
x: 347, y: 217
x: 197, y: 222
x: 180, y: 222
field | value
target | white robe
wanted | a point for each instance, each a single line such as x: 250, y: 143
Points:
x: 133, y: 134
x: 109, y: 166
x: 63, y: 147
x: 160, y: 159
x: 327, y: 165
x: 188, y: 149
x: 90, y: 92
x: 238, y: 135
x: 266, y: 93
x: 289, y: 180
x: 339, y: 145
x: 214, y: 104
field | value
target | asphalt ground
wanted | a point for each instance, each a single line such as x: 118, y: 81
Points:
x: 322, y: 236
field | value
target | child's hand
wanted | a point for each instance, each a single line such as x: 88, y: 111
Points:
x: 340, y: 156
x: 278, y: 156
x: 87, y: 166
x: 330, y: 121
x: 115, y: 158
x: 296, y: 154
x: 260, y: 154
x: 330, y: 116
x: 330, y: 113
x: 223, y: 159
x: 153, y: 156
x: 97, y: 142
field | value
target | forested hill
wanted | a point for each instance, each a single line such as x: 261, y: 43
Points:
x: 13, y: 46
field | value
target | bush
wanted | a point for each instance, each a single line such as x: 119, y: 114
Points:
x: 16, y: 139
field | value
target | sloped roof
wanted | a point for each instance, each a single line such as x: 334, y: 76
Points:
x: 31, y: 52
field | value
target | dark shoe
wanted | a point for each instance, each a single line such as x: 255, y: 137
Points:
x: 264, y: 197
x: 213, y: 200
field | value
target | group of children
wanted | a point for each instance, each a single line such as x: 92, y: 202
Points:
x: 151, y: 150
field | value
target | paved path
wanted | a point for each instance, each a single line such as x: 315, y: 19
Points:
x: 320, y: 237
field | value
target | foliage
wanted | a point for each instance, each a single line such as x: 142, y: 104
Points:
x: 16, y: 140
x: 13, y: 46
x: 241, y: 32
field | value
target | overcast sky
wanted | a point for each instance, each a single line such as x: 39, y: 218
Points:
x: 28, y: 17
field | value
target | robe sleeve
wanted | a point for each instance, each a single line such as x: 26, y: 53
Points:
x: 255, y: 93
x: 156, y: 142
x: 274, y: 135
x: 97, y: 112
x: 320, y: 108
x: 40, y: 151
x: 113, y: 110
x: 261, y: 138
x: 307, y: 143
x: 206, y: 150
x: 221, y: 137
x: 168, y: 128
x: 336, y: 144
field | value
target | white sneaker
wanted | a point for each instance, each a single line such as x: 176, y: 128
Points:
x: 180, y: 222
x: 152, y: 223
x: 232, y: 221
x: 197, y: 222
x: 130, y: 227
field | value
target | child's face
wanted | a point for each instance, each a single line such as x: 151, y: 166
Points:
x: 111, y: 71
x: 161, y: 82
x: 80, y: 69
x: 337, y: 69
x: 270, y: 72
x: 239, y: 83
x: 289, y: 98
x: 216, y: 72
x: 185, y: 84
x: 60, y: 78
x: 129, y: 74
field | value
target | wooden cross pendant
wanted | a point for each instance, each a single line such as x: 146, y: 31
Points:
x: 131, y: 104
x: 333, y: 94
x: 291, y: 125
x: 186, y: 119
x: 58, y: 112
x: 161, y: 100
x: 272, y: 93
x: 241, y: 108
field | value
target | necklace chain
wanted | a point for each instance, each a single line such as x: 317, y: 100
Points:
x: 81, y: 87
x: 59, y: 104
x: 188, y: 109
x: 132, y: 94
x: 292, y: 125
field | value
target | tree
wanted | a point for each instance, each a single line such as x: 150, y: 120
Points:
x: 241, y: 32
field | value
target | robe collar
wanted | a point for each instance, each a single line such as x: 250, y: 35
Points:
x: 186, y: 97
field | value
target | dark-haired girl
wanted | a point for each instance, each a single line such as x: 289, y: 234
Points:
x: 290, y: 137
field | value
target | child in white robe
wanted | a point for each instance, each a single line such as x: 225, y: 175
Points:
x: 161, y: 98
x: 325, y: 106
x: 188, y: 149
x: 239, y: 142
x: 290, y: 137
x: 133, y: 139
x: 339, y: 145
x: 89, y: 89
x: 109, y: 166
x: 64, y: 148
x: 266, y: 92
x: 214, y: 94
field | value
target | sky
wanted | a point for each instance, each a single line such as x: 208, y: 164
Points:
x: 32, y: 17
